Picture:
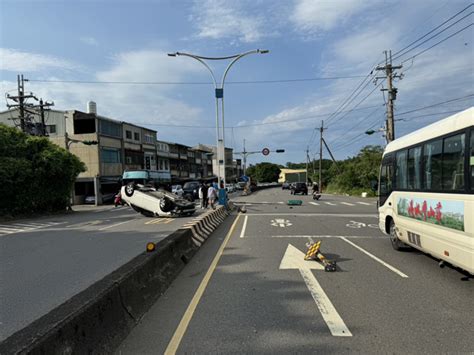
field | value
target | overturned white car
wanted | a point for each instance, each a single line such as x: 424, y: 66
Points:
x: 152, y: 202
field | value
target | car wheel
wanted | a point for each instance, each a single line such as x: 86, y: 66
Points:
x: 166, y: 205
x: 397, y: 244
x: 130, y: 189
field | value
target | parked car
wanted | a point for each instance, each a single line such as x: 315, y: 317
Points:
x: 177, y: 190
x: 191, y: 190
x: 285, y: 186
x: 151, y: 202
x: 106, y: 198
x: 299, y: 188
x: 230, y: 188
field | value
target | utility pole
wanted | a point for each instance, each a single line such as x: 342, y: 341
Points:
x: 42, y: 106
x: 321, y: 129
x: 307, y: 162
x: 20, y: 99
x: 391, y: 91
x: 244, y: 153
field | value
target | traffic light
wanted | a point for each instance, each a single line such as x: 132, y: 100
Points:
x: 369, y: 132
x: 90, y: 142
x: 280, y: 150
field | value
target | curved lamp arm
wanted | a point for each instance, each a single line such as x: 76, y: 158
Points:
x: 199, y: 59
x: 236, y: 58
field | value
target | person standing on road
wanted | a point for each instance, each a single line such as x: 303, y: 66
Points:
x: 212, y: 194
x: 201, y: 196
x: 315, y: 187
x: 204, y: 195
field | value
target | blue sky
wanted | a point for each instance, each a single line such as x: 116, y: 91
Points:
x: 127, y: 41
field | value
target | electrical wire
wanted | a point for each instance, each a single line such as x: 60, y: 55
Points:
x: 434, y: 29
x: 436, y: 104
x: 196, y: 82
x: 438, y: 43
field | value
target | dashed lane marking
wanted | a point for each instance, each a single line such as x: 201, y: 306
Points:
x: 330, y: 203
x: 364, y: 203
x: 242, y: 234
x: 347, y: 204
x: 314, y: 203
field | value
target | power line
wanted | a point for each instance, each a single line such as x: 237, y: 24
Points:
x: 436, y: 104
x: 430, y: 38
x: 396, y: 54
x: 438, y: 43
x: 195, y: 82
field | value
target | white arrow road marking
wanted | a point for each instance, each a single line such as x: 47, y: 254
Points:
x: 294, y: 259
x: 390, y: 267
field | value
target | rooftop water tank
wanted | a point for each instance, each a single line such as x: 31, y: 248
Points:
x: 92, y: 107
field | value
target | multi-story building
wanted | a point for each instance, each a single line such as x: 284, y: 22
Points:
x: 120, y: 145
x: 163, y: 158
x: 231, y: 171
x: 178, y: 158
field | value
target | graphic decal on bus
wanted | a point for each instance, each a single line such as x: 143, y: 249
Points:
x: 448, y: 214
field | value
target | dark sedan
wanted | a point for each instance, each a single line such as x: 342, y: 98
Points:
x: 299, y: 188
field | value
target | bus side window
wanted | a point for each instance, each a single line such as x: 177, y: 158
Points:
x: 471, y: 159
x: 386, y: 176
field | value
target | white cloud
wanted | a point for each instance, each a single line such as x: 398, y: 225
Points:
x: 219, y: 19
x: 311, y: 16
x: 91, y: 41
x: 18, y: 61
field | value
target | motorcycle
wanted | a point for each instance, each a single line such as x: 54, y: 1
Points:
x: 316, y: 195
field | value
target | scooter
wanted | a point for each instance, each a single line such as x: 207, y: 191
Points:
x: 316, y: 195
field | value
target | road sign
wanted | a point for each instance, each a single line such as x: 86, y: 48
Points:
x: 265, y: 151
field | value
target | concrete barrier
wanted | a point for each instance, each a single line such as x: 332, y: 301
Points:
x: 97, y: 320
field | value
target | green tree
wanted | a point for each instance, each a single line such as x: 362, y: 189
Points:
x: 264, y: 172
x: 35, y: 174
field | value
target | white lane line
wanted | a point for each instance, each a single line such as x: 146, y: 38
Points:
x: 347, y: 204
x: 333, y: 320
x: 10, y: 231
x: 364, y: 203
x: 113, y: 225
x: 395, y: 270
x: 242, y: 234
x: 368, y: 215
x: 326, y: 236
x: 330, y: 203
x: 314, y: 203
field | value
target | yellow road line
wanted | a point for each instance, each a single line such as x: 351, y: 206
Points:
x: 183, y: 324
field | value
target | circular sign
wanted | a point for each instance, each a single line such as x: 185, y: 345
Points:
x: 265, y: 151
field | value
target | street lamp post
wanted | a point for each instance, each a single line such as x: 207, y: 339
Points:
x: 219, y: 94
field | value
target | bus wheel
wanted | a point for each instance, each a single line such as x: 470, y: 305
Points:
x: 397, y: 244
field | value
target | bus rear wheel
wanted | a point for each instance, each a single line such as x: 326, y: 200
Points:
x: 397, y: 244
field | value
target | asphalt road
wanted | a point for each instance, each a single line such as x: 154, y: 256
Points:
x: 45, y: 261
x: 237, y: 296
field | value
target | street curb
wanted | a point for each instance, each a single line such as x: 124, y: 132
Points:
x: 97, y: 320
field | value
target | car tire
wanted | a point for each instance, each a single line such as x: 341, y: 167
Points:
x: 130, y: 189
x: 166, y: 205
x: 397, y: 244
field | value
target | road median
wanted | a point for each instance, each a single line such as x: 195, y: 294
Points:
x: 99, y: 318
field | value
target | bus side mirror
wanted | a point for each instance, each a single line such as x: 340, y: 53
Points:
x: 374, y: 185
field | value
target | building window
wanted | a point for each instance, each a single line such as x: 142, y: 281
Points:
x: 110, y: 128
x: 148, y: 138
x: 110, y: 155
x: 51, y: 128
x: 128, y: 134
x: 136, y: 136
x: 453, y: 162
